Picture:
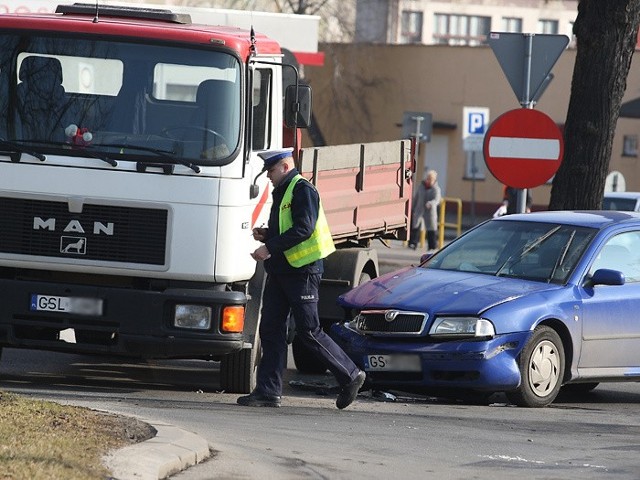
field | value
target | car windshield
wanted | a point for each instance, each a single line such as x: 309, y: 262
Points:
x: 122, y: 99
x: 518, y: 249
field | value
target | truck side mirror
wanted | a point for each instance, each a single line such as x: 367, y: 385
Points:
x: 297, y: 111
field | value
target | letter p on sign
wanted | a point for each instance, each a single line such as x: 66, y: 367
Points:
x: 476, y: 123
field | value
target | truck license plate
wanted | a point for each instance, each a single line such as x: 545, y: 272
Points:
x: 392, y: 363
x: 76, y: 305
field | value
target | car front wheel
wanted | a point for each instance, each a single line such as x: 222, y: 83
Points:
x: 541, y: 364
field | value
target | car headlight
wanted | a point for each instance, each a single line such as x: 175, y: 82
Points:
x: 462, y: 326
x: 197, y: 317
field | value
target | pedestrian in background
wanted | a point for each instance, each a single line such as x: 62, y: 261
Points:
x: 424, y: 211
x: 295, y: 241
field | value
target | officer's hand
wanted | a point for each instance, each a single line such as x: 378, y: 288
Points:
x: 260, y: 234
x: 261, y: 253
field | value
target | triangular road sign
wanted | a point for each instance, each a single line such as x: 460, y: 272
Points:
x: 519, y: 53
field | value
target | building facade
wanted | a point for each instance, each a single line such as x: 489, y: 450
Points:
x: 363, y: 91
x: 458, y: 22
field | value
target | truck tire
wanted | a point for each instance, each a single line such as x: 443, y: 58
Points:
x: 238, y: 370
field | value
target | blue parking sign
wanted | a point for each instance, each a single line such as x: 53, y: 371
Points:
x: 476, y: 123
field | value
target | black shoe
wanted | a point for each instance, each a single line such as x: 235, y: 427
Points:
x: 349, y: 392
x: 412, y: 246
x: 255, y: 399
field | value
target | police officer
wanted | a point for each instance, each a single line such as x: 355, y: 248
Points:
x: 295, y: 241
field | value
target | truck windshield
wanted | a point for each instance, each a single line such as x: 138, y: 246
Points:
x: 65, y: 93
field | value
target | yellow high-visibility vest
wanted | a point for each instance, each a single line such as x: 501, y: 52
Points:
x: 318, y: 245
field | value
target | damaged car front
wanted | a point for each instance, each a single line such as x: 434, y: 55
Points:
x: 460, y: 321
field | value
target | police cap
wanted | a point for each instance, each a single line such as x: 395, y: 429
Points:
x: 271, y: 157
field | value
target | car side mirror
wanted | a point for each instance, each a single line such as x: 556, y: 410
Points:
x: 604, y: 276
x: 297, y: 106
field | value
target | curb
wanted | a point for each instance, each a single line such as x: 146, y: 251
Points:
x: 170, y: 451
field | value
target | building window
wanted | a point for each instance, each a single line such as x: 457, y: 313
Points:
x: 547, y: 26
x: 460, y: 29
x: 630, y: 146
x: 512, y: 24
x: 411, y: 27
x: 475, y: 166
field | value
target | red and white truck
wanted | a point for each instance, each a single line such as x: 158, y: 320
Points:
x: 130, y: 182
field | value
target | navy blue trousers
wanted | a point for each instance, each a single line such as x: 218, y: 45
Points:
x: 297, y: 293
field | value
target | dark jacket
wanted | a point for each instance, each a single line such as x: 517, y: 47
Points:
x: 304, y: 213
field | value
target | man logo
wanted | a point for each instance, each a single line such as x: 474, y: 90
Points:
x: 73, y: 245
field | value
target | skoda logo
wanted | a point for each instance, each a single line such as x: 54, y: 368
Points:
x: 390, y: 315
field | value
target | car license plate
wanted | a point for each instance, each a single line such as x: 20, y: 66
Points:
x: 76, y: 305
x: 392, y: 363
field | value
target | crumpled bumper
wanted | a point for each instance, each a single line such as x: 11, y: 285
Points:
x: 486, y: 365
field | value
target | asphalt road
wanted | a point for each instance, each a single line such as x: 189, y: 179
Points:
x: 593, y: 437
x: 597, y: 436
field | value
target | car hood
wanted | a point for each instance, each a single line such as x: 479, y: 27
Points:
x: 439, y: 291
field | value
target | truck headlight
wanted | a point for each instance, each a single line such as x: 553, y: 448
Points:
x: 197, y: 317
x: 462, y: 326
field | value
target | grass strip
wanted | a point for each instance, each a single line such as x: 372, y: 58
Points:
x: 46, y: 440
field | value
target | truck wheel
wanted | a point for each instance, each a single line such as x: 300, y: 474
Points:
x: 238, y: 370
x: 304, y: 359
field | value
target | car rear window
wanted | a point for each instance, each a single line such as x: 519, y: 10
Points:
x: 624, y: 204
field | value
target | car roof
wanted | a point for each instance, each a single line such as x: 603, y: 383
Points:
x: 582, y: 218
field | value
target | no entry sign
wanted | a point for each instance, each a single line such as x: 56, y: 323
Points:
x: 523, y: 148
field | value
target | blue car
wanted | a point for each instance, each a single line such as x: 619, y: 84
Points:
x: 521, y: 304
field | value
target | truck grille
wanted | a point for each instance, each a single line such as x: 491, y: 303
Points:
x: 390, y: 322
x: 101, y: 232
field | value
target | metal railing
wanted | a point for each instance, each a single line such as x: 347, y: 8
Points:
x: 442, y: 223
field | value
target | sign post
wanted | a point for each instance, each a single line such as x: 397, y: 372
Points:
x: 526, y: 60
x: 475, y: 122
x: 523, y: 148
x: 417, y: 126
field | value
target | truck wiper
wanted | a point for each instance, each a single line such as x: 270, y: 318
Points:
x: 16, y: 147
x: 104, y: 158
x: 161, y: 153
x: 83, y: 148
x: 42, y: 158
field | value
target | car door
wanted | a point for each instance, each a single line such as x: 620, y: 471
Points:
x: 611, y: 313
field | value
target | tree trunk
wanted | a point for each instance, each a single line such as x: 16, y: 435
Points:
x: 606, y: 34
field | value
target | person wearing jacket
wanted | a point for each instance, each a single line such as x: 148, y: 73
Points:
x: 295, y: 241
x: 424, y: 211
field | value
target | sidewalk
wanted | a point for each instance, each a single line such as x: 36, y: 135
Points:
x: 172, y: 450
